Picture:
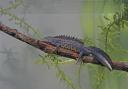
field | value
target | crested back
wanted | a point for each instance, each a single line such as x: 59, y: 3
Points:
x: 69, y: 38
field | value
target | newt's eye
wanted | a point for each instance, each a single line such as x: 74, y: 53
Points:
x: 90, y: 55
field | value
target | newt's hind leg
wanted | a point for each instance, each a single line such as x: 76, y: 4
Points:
x: 57, y: 47
x: 79, y: 59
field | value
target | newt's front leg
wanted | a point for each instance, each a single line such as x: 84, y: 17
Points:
x: 79, y: 59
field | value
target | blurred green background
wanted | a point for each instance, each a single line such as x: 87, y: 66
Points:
x: 105, y: 23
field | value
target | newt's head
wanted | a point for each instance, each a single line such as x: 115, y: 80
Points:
x: 101, y: 57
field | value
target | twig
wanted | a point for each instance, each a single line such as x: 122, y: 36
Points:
x: 123, y: 66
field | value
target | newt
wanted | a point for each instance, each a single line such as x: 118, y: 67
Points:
x: 74, y: 44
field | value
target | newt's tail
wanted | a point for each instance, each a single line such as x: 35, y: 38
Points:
x: 101, y: 57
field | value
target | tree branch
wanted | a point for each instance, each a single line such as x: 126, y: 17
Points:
x: 47, y: 48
